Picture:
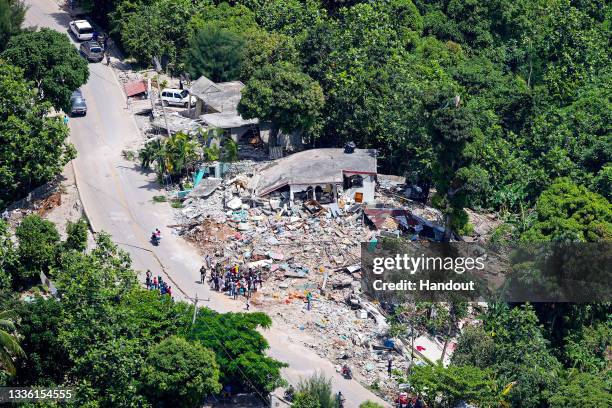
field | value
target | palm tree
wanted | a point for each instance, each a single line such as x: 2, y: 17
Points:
x: 9, y: 348
x: 181, y: 153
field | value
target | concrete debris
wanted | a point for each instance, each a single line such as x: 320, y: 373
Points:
x: 205, y: 188
x: 234, y: 204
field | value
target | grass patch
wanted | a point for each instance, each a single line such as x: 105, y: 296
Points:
x: 159, y: 199
x: 176, y: 204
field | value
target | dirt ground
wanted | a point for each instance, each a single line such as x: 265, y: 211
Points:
x: 59, y: 204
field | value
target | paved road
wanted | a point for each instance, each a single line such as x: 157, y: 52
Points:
x: 117, y: 197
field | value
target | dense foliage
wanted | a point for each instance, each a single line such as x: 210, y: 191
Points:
x: 51, y: 61
x: 12, y: 14
x: 115, y: 342
x: 215, y: 53
x: 239, y: 348
x: 33, y: 145
x: 569, y: 211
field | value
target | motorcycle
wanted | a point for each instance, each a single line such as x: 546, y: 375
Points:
x: 155, y: 239
x: 340, y: 400
x: 347, y: 373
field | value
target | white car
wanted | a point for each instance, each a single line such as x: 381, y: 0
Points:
x: 170, y: 96
x: 81, y: 29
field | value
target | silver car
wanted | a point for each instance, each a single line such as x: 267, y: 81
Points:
x: 77, y: 104
x: 92, y: 50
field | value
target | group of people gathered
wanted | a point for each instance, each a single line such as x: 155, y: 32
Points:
x: 234, y: 279
x: 157, y: 283
x: 406, y: 401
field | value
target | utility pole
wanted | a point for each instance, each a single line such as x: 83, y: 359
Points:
x: 195, y: 309
x: 150, y: 93
x: 161, y: 101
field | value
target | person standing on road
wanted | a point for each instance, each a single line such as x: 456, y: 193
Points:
x: 208, y: 261
x: 308, y: 300
x: 66, y: 120
x: 202, y: 274
x: 389, y: 364
x: 107, y: 58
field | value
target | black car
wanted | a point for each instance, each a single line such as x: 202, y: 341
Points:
x: 77, y: 104
x: 92, y: 50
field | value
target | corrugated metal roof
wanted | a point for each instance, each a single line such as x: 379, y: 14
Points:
x: 135, y: 88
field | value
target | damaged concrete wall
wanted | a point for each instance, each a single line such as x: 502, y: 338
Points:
x: 302, y: 192
x: 237, y: 133
x: 366, y: 189
x: 289, y: 142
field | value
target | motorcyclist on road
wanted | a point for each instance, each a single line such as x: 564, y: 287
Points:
x: 346, y: 371
x: 340, y: 400
x: 155, y: 237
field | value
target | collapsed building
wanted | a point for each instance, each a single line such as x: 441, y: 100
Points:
x: 217, y: 106
x: 320, y: 175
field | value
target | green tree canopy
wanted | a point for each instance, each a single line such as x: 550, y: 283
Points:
x: 33, y: 146
x: 239, y: 348
x: 566, y: 210
x: 370, y: 404
x: 317, y: 389
x: 49, y: 59
x: 9, y: 346
x: 519, y: 354
x: 180, y: 373
x: 37, y: 251
x: 76, y: 235
x: 583, y: 390
x: 12, y: 14
x: 305, y: 400
x: 8, y: 258
x: 447, y: 387
x: 283, y: 95
x: 216, y: 53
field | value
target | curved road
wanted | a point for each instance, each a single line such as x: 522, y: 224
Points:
x: 117, y: 197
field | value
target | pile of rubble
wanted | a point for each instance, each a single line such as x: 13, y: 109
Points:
x: 308, y: 248
x: 286, y: 242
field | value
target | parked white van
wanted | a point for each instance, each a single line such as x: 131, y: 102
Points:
x: 171, y: 96
x: 81, y: 29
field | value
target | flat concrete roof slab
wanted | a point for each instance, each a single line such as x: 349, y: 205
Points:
x: 315, y: 166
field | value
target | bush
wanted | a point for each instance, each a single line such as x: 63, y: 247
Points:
x: 77, y: 235
x: 319, y: 387
x: 180, y: 373
x: 37, y: 250
x: 370, y: 404
x: 305, y: 400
